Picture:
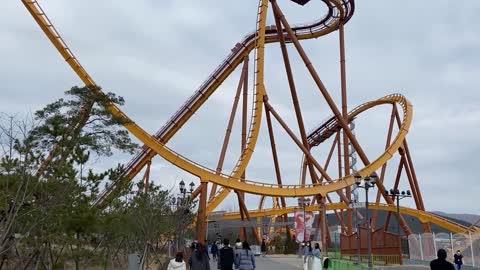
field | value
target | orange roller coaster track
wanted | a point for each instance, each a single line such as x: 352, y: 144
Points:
x: 338, y: 14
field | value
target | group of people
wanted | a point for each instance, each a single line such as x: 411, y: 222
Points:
x: 241, y: 257
x: 312, y: 257
x: 441, y: 263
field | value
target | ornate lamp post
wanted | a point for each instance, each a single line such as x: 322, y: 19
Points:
x: 399, y: 195
x: 182, y: 202
x: 368, y: 182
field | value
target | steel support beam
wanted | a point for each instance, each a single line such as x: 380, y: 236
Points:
x: 275, y: 159
x: 293, y: 93
x: 231, y: 119
x: 384, y: 166
x: 395, y: 187
x: 331, y: 103
x: 346, y: 163
x: 304, y: 150
x: 202, y: 213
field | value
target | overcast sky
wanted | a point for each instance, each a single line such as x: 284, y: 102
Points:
x: 156, y: 54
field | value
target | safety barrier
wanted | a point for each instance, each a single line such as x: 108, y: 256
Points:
x: 423, y: 247
x: 346, y: 265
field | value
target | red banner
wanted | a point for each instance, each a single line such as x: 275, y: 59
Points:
x: 303, y: 225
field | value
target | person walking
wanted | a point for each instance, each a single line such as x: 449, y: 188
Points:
x: 245, y: 259
x: 317, y: 258
x: 263, y: 248
x: 177, y: 263
x: 458, y: 260
x: 214, y: 251
x: 199, y: 259
x: 441, y: 263
x: 307, y: 256
x: 238, y: 247
x: 226, y: 257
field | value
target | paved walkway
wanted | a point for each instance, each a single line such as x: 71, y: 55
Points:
x: 273, y: 262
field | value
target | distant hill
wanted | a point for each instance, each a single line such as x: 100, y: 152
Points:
x: 470, y: 218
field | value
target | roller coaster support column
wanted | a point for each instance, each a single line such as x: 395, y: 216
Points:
x: 275, y: 161
x: 293, y: 92
x: 243, y: 231
x: 415, y: 187
x: 331, y: 103
x: 243, y: 234
x: 384, y: 166
x: 243, y: 208
x: 327, y: 163
x: 304, y: 150
x: 146, y: 177
x: 346, y: 151
x: 395, y: 187
x: 228, y: 131
x: 202, y: 213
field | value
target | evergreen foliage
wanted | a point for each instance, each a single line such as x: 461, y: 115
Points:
x: 47, y: 220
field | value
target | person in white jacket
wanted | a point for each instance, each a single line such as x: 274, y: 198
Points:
x: 177, y: 263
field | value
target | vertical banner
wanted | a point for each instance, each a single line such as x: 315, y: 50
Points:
x: 303, y: 225
x: 299, y: 226
x: 309, y: 218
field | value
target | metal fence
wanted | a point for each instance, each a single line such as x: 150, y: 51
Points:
x: 424, y: 246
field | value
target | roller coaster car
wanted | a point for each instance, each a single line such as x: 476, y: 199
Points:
x: 301, y: 2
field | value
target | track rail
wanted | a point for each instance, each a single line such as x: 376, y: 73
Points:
x: 155, y: 144
x: 206, y: 174
x: 316, y: 29
x: 423, y: 216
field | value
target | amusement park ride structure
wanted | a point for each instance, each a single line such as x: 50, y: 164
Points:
x: 338, y: 127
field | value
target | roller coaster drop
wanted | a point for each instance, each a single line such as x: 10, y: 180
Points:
x: 344, y: 142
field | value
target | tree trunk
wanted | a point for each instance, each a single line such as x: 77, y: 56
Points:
x: 73, y: 132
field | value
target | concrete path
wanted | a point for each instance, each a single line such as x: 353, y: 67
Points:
x: 273, y: 262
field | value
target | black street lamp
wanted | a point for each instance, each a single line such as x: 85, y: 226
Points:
x: 399, y: 195
x: 183, y: 193
x: 192, y: 185
x: 183, y: 202
x: 368, y: 182
x: 182, y: 187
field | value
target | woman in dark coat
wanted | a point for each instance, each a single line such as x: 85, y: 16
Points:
x: 263, y: 248
x: 199, y: 259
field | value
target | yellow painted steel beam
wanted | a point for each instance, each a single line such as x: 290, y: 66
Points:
x: 232, y: 182
x: 248, y: 45
x: 206, y: 174
x: 223, y: 191
x: 423, y: 216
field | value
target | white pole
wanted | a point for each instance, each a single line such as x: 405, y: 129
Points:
x: 421, y: 246
x: 451, y: 243
x: 434, y: 243
x: 471, y: 249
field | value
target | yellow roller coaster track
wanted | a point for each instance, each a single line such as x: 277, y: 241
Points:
x: 319, y: 28
x: 232, y: 181
x: 325, y: 27
x: 423, y: 216
x: 206, y: 174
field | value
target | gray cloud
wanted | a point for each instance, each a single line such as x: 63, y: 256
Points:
x: 157, y: 54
